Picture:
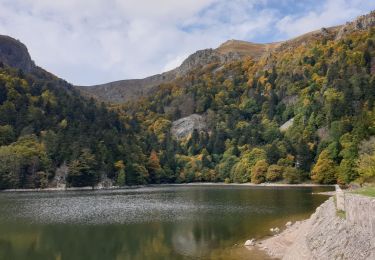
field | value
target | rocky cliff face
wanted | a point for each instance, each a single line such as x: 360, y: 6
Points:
x: 15, y: 54
x: 184, y: 127
x: 363, y: 22
x: 200, y: 59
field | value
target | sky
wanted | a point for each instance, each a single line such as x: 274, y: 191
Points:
x: 88, y: 42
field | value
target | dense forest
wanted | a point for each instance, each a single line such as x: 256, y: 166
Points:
x: 327, y: 88
x: 46, y: 123
x: 324, y: 89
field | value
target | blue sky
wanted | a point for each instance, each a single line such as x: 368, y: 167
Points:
x: 95, y: 41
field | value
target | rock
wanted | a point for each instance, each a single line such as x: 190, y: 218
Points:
x: 324, y: 31
x: 15, y: 54
x: 199, y: 59
x: 361, y: 23
x: 185, y: 126
x: 250, y: 242
x: 286, y: 125
x: 354, y: 186
x: 59, y: 181
x: 288, y: 224
x: 326, y: 236
x: 105, y: 183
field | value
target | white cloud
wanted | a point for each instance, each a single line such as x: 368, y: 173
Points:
x: 96, y: 41
x: 333, y: 12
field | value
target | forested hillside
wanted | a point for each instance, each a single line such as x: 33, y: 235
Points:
x: 45, y: 123
x: 326, y: 86
x: 301, y: 112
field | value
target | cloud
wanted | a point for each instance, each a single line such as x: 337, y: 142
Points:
x: 95, y: 41
x: 330, y: 13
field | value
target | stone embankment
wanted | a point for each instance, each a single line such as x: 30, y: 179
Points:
x: 341, y: 228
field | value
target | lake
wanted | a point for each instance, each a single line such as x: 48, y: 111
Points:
x: 165, y: 222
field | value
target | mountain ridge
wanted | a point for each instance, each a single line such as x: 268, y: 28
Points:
x: 322, y: 82
x: 227, y: 52
x: 232, y: 50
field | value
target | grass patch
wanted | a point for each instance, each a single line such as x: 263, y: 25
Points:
x: 366, y: 191
x: 341, y: 214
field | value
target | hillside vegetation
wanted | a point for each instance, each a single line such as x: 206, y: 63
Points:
x: 45, y: 123
x: 326, y: 85
x: 301, y: 112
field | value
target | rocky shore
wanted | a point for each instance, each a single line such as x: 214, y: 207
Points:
x: 330, y: 233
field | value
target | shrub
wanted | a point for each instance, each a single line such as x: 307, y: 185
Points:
x: 292, y: 175
x: 274, y: 173
x: 258, y: 172
x: 324, y: 170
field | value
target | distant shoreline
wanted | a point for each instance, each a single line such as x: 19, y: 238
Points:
x: 171, y: 184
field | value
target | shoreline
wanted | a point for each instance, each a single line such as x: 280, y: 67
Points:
x: 328, y: 233
x: 275, y: 185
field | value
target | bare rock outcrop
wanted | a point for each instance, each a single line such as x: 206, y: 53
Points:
x: 15, y: 54
x: 363, y: 22
x: 185, y: 126
x: 288, y: 124
x: 59, y: 181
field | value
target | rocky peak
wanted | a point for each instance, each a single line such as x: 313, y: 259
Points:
x: 15, y: 54
x: 229, y: 51
x: 362, y: 22
x: 200, y: 59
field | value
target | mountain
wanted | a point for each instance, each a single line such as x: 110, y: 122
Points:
x: 232, y: 50
x: 293, y: 111
x: 127, y: 90
x: 14, y: 54
x: 50, y: 134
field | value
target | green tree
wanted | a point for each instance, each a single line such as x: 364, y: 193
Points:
x: 20, y: 163
x: 292, y: 175
x: 136, y: 174
x: 121, y: 176
x: 274, y: 173
x: 7, y: 134
x: 259, y: 171
x: 324, y: 170
x: 83, y: 171
x: 241, y: 172
x: 225, y: 166
x: 366, y: 161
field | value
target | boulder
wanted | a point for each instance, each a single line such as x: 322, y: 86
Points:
x: 287, y: 125
x: 250, y: 242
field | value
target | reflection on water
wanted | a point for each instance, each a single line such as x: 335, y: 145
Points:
x: 172, y: 222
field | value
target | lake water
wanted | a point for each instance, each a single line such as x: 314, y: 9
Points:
x: 166, y: 222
